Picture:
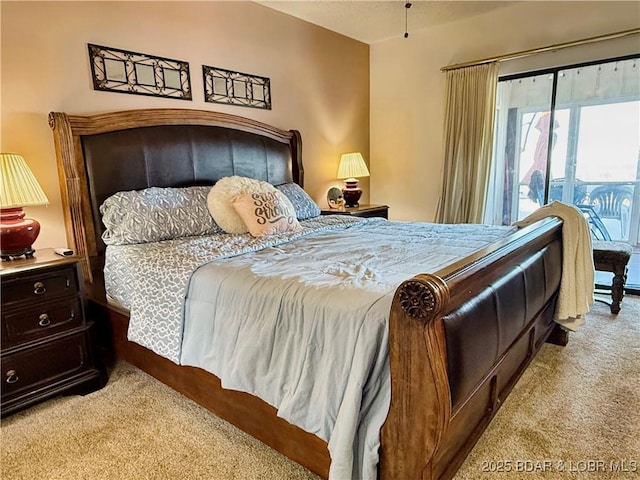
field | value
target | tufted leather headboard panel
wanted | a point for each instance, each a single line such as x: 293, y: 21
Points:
x: 497, y: 315
x: 179, y: 155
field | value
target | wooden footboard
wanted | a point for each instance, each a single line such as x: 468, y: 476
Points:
x: 459, y: 340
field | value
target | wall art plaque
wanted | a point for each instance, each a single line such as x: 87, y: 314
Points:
x: 236, y: 88
x: 123, y: 71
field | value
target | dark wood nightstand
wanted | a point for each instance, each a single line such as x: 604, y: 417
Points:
x: 48, y: 346
x: 363, y: 210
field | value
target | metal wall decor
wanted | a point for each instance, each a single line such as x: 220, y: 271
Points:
x: 123, y: 71
x: 235, y: 88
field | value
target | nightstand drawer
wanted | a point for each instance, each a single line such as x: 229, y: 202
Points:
x: 44, y: 366
x: 40, y: 287
x: 29, y: 324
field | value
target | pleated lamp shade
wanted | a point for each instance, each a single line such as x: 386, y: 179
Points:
x: 19, y: 186
x: 352, y: 166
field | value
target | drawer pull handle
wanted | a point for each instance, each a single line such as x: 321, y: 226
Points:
x: 12, y: 377
x: 39, y: 288
x: 45, y: 321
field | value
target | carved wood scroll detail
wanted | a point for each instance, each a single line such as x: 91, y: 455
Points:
x: 420, y: 407
x: 424, y: 296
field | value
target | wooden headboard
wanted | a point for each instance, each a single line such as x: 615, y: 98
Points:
x: 99, y: 155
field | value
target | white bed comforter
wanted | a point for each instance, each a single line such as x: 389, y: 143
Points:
x: 303, y: 324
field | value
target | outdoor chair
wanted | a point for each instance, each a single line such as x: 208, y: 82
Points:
x: 613, y: 202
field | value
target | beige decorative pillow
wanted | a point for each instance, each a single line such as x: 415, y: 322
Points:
x: 266, y: 213
x: 219, y: 200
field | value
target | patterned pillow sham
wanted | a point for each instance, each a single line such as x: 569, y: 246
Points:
x: 266, y: 213
x: 155, y: 214
x: 219, y: 200
x: 304, y: 205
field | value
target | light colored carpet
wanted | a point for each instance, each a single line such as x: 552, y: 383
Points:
x: 574, y: 405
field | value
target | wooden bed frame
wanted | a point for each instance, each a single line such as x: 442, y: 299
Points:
x: 459, y: 338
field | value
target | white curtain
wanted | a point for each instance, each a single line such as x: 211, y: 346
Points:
x: 468, y: 138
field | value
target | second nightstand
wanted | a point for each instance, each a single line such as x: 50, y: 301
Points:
x: 363, y: 210
x: 47, y: 346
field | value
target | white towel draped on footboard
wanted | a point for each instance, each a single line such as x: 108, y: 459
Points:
x: 577, y: 283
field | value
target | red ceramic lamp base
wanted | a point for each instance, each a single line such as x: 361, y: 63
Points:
x: 351, y: 193
x: 17, y: 234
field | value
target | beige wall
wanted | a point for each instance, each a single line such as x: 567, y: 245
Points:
x: 319, y: 80
x: 407, y: 87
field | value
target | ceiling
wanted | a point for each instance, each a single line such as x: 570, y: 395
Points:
x: 372, y: 21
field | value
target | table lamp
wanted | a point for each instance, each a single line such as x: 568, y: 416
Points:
x: 18, y: 188
x: 351, y: 167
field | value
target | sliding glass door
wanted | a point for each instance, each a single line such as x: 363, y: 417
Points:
x: 571, y: 134
x: 600, y: 166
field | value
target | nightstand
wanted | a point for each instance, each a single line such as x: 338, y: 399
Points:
x: 47, y: 344
x: 363, y: 210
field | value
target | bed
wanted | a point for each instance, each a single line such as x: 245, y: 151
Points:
x: 458, y: 337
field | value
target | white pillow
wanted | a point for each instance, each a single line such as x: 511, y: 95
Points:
x: 266, y: 213
x: 219, y: 200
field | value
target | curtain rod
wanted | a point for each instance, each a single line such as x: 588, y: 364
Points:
x: 532, y: 51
